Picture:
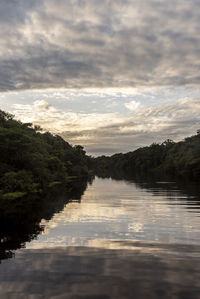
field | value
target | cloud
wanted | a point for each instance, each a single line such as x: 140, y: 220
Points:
x: 81, y: 44
x: 42, y: 105
x: 133, y: 105
x: 108, y: 133
x: 174, y: 120
x: 56, y: 120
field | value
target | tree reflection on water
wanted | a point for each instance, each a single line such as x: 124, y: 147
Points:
x: 20, y: 219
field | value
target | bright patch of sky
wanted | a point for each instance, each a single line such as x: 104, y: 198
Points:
x: 110, y: 75
x: 98, y: 100
x: 106, y: 121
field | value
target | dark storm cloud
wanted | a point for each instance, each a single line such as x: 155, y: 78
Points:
x: 76, y: 44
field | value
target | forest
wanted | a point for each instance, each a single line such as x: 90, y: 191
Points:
x: 180, y: 159
x: 32, y: 161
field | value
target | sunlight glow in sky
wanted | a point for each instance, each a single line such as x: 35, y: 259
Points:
x: 110, y: 75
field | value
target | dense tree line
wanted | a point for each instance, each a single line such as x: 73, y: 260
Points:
x: 32, y: 161
x: 176, y: 159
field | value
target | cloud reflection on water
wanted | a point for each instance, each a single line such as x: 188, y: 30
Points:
x: 144, y: 269
x: 112, y: 210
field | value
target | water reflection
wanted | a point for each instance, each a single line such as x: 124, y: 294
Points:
x: 125, y: 210
x: 131, y: 238
x: 110, y: 209
x: 143, y: 270
x: 20, y: 220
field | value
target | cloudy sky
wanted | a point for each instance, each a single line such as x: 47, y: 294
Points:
x: 112, y: 75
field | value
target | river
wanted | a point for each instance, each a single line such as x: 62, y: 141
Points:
x: 120, y: 239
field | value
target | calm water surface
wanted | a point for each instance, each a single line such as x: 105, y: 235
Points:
x: 121, y: 210
x: 122, y: 240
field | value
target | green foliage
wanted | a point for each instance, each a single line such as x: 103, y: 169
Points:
x: 13, y: 195
x: 53, y: 184
x: 31, y: 161
x: 18, y: 181
x: 180, y: 159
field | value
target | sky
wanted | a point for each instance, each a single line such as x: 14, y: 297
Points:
x: 111, y: 75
